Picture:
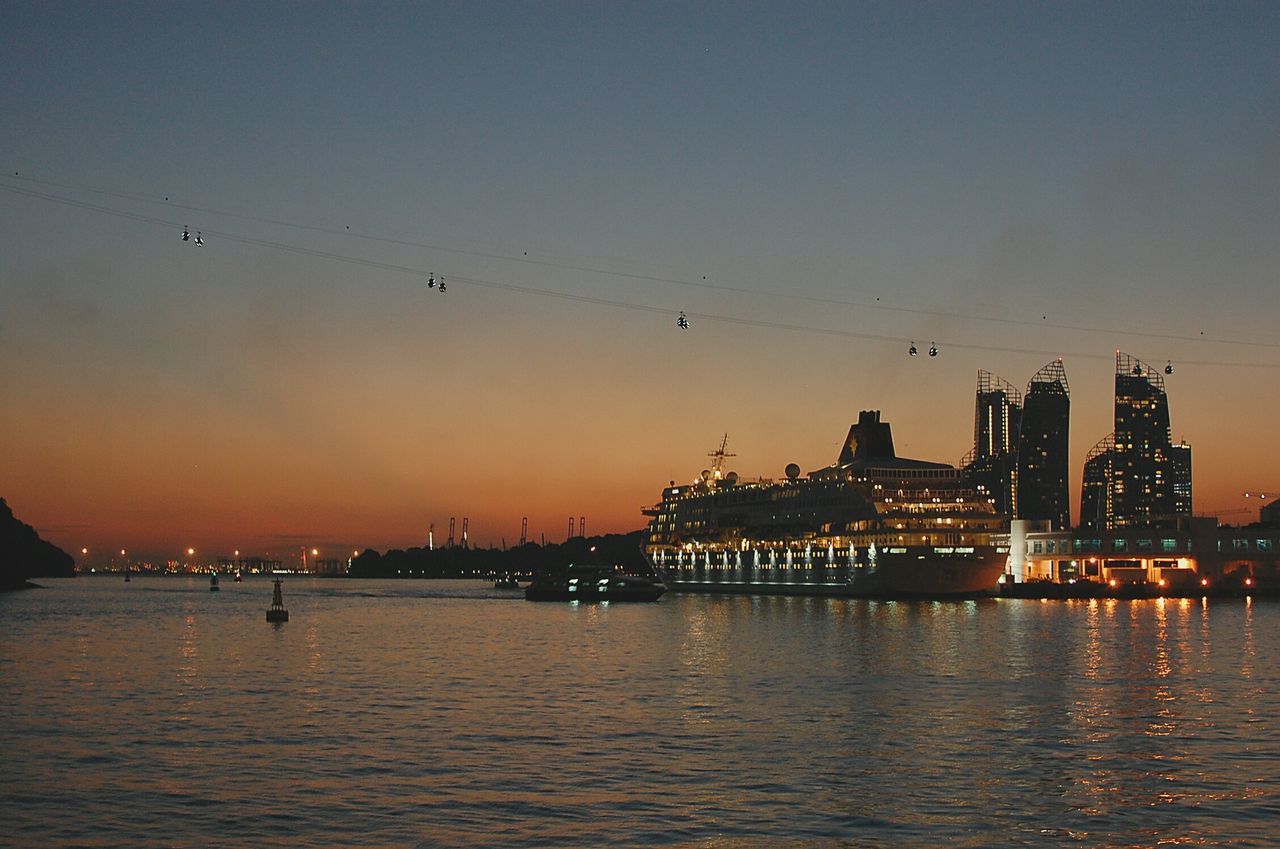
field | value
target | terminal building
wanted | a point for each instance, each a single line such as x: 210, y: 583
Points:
x: 1193, y: 552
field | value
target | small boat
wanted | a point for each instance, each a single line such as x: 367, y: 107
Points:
x: 576, y: 582
x: 238, y: 579
x: 213, y: 583
x: 277, y: 613
x: 126, y: 576
x: 506, y: 582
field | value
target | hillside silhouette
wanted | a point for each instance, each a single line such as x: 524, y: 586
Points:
x: 24, y: 555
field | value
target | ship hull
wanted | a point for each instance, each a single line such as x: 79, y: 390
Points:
x: 929, y: 575
x: 920, y: 573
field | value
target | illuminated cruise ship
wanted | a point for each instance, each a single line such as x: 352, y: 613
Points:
x: 870, y: 524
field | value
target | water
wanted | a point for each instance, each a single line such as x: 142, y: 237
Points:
x: 406, y: 714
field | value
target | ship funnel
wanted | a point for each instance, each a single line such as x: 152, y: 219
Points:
x: 869, y: 439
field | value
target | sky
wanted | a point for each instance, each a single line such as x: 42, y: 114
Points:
x: 816, y: 185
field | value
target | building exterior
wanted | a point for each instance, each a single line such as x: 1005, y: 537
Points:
x: 1041, y: 485
x: 1136, y: 475
x: 990, y: 468
x: 1191, y: 551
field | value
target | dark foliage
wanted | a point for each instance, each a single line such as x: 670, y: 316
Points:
x: 489, y: 563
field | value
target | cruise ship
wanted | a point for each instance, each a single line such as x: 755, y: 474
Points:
x: 871, y: 524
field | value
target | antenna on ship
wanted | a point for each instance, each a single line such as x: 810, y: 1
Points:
x: 718, y: 457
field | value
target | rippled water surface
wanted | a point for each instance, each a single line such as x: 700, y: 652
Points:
x: 404, y: 714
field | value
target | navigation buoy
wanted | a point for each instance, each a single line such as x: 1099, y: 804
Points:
x: 277, y: 613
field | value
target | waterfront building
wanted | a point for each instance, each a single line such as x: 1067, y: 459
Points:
x: 1188, y: 552
x: 990, y: 467
x: 1136, y: 475
x: 1041, y: 488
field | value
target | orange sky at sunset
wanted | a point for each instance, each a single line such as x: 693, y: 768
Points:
x: 815, y: 192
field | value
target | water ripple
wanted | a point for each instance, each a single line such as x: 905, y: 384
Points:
x: 407, y: 714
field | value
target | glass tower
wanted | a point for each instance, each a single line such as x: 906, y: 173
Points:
x: 1136, y: 475
x: 997, y: 417
x: 1042, y: 486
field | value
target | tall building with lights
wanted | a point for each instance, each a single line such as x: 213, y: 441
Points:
x: 1136, y: 475
x: 990, y: 467
x: 1041, y: 487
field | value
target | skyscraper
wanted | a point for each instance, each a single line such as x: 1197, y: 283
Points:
x: 1041, y: 485
x: 1136, y: 475
x: 997, y: 417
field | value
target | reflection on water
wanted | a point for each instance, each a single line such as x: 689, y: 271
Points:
x: 402, y: 714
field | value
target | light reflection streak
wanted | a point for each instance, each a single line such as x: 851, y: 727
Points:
x: 189, y: 672
x: 313, y: 702
x: 1247, y: 653
x: 1093, y: 643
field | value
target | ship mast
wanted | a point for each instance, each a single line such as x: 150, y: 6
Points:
x: 718, y: 457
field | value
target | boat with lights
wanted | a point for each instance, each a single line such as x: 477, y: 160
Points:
x: 583, y: 582
x: 871, y: 524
